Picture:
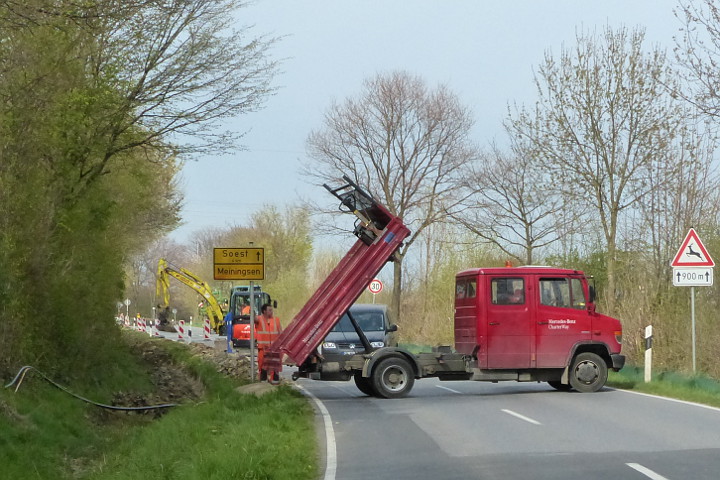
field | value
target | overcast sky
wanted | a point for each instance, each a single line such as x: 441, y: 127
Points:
x: 484, y: 51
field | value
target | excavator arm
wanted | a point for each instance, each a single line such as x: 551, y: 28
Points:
x: 166, y: 270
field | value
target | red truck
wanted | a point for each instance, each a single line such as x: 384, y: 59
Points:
x: 523, y: 324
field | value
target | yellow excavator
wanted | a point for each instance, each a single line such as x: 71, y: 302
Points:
x: 164, y: 272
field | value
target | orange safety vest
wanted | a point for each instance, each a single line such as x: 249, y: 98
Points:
x: 266, y: 331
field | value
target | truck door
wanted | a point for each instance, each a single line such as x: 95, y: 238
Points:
x: 510, y: 331
x: 466, y: 315
x: 562, y: 319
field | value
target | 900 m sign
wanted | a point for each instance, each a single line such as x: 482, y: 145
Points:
x: 692, y: 276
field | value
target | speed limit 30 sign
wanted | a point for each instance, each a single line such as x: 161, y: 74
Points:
x: 375, y: 286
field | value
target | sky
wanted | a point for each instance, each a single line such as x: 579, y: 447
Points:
x: 485, y: 51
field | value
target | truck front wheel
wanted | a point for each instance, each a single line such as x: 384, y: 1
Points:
x: 393, y: 377
x: 588, y: 373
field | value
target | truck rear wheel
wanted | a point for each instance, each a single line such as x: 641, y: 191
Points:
x: 364, y: 384
x: 558, y: 385
x: 393, y: 377
x: 588, y: 373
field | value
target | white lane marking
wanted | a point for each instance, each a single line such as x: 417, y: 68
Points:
x: 521, y: 417
x: 448, y: 389
x: 669, y: 399
x: 646, y: 471
x: 331, y: 450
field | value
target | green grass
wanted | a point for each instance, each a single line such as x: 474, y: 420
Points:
x: 47, y: 434
x: 692, y: 388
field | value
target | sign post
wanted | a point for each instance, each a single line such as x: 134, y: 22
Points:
x: 648, y: 353
x: 692, y: 266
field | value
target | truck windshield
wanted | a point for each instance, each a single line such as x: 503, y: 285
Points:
x: 367, y: 321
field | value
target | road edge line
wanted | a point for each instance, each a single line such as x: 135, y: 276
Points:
x: 330, y: 446
x: 676, y: 400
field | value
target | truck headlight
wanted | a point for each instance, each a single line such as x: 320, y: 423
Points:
x: 377, y: 344
x: 327, y: 345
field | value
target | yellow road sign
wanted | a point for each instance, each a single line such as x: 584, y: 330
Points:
x: 239, y: 263
x: 239, y: 256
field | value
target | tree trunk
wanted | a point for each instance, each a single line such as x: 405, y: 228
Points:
x: 397, y: 289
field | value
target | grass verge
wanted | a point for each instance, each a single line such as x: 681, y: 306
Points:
x: 692, y: 388
x: 47, y: 434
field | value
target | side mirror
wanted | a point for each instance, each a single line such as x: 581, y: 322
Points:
x: 592, y: 294
x: 392, y: 328
x: 274, y: 303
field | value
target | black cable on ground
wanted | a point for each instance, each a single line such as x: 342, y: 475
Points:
x: 21, y: 375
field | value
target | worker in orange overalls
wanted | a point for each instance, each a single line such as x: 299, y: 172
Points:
x: 245, y: 309
x: 267, y: 329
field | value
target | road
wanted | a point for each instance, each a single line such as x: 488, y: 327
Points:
x: 475, y: 430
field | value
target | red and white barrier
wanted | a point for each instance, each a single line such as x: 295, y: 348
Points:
x: 206, y: 329
x: 181, y: 329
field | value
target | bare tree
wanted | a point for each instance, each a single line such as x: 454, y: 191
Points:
x: 698, y: 51
x: 604, y: 121
x: 690, y: 198
x: 405, y: 144
x: 517, y: 206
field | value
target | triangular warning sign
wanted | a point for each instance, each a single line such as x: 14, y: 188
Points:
x: 692, y: 253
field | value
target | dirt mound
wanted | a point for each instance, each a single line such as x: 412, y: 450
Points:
x: 173, y: 383
x: 258, y: 389
x: 233, y: 365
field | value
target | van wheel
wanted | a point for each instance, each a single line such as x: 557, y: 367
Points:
x: 588, y: 373
x: 558, y: 385
x: 364, y: 384
x: 393, y: 377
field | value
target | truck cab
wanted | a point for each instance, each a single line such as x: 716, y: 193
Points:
x: 535, y: 319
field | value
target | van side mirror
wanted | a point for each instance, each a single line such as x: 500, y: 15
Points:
x: 392, y: 328
x: 274, y: 303
x: 592, y: 294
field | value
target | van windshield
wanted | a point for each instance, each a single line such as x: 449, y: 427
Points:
x: 367, y: 321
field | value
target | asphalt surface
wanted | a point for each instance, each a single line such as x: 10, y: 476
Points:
x: 475, y: 430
